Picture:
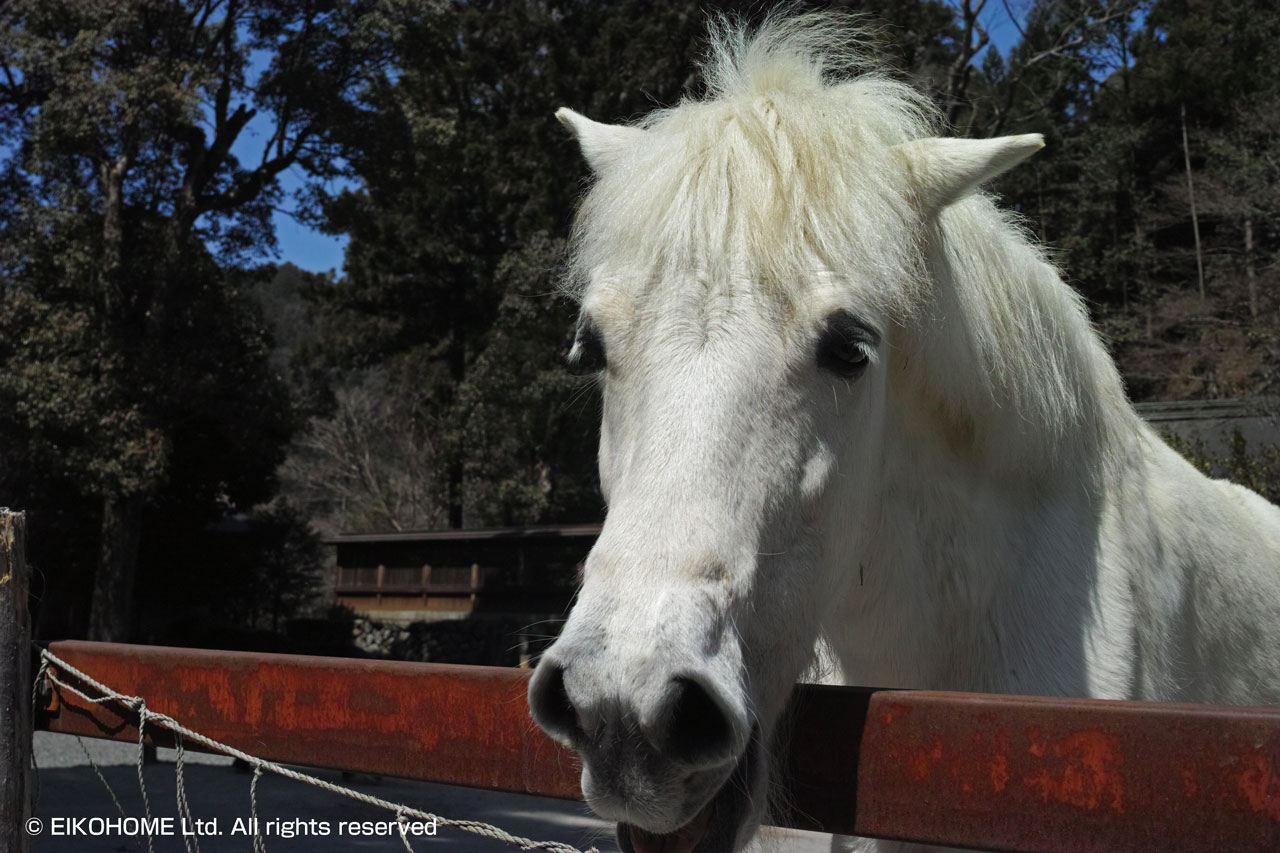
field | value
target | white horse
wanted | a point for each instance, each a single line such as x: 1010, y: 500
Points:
x: 847, y: 400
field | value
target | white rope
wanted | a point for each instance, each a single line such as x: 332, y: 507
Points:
x: 259, y: 843
x: 141, y: 708
x: 189, y: 841
x: 101, y: 778
x: 401, y: 811
x: 401, y: 822
x: 93, y: 764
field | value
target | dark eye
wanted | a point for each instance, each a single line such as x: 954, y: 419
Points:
x: 587, y: 353
x: 845, y: 345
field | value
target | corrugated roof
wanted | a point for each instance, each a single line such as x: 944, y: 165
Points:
x: 546, y: 531
x: 1204, y: 410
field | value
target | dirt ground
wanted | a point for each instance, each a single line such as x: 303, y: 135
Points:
x: 218, y: 795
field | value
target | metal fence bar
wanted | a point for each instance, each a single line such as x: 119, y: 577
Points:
x: 1023, y: 773
x: 996, y: 772
x: 461, y: 725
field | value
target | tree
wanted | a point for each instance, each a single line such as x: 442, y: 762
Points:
x: 465, y: 188
x: 1241, y: 183
x: 1203, y: 67
x: 461, y: 169
x: 1065, y: 47
x: 244, y: 576
x: 128, y: 216
x: 366, y: 467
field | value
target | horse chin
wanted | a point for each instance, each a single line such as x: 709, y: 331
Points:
x: 717, y: 825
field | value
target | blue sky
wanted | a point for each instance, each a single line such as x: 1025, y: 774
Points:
x: 303, y: 246
x: 997, y: 21
x: 299, y: 244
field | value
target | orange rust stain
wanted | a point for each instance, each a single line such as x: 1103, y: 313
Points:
x: 1090, y: 775
x: 999, y: 773
x: 1260, y: 784
x: 1189, y: 786
x: 1000, y: 763
x: 1036, y: 740
x: 1041, y: 782
x: 896, y: 709
x: 923, y: 760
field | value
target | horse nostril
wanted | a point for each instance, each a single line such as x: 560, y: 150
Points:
x: 699, y: 730
x: 550, y: 704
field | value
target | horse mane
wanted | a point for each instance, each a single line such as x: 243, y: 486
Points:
x: 788, y: 156
x: 1007, y: 355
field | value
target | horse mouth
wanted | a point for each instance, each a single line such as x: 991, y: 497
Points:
x: 715, y: 828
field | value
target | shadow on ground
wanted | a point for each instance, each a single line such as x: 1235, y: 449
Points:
x: 221, y: 794
x: 68, y: 789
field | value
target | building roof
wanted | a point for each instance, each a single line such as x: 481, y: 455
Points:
x: 1204, y: 410
x: 547, y: 531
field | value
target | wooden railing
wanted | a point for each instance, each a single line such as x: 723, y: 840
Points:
x: 428, y: 580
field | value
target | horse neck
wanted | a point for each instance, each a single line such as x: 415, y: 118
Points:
x: 1000, y: 365
x: 1004, y: 422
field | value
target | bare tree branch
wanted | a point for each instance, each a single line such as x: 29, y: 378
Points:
x: 974, y: 40
x: 367, y: 466
x: 1070, y: 34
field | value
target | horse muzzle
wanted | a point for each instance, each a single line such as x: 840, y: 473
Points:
x: 673, y: 757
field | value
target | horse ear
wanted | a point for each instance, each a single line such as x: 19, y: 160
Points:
x: 602, y: 144
x: 945, y: 170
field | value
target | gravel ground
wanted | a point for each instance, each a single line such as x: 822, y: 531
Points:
x: 219, y: 794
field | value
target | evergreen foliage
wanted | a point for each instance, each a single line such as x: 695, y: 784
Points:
x: 133, y: 365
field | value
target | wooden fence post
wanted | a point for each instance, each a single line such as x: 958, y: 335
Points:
x: 15, y: 684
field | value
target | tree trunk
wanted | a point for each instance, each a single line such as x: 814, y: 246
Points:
x: 1140, y: 256
x: 113, y: 232
x: 1044, y: 220
x: 1191, y: 196
x: 455, y: 494
x: 457, y: 372
x: 109, y: 616
x: 962, y: 68
x: 1250, y: 273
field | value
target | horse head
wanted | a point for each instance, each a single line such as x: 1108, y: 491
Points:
x: 745, y: 265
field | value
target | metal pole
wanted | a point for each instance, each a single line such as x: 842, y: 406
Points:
x: 15, y: 684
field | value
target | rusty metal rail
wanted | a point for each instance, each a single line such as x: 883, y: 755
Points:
x: 994, y: 772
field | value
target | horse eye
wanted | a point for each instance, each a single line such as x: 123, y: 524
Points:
x: 587, y: 353
x: 845, y: 345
